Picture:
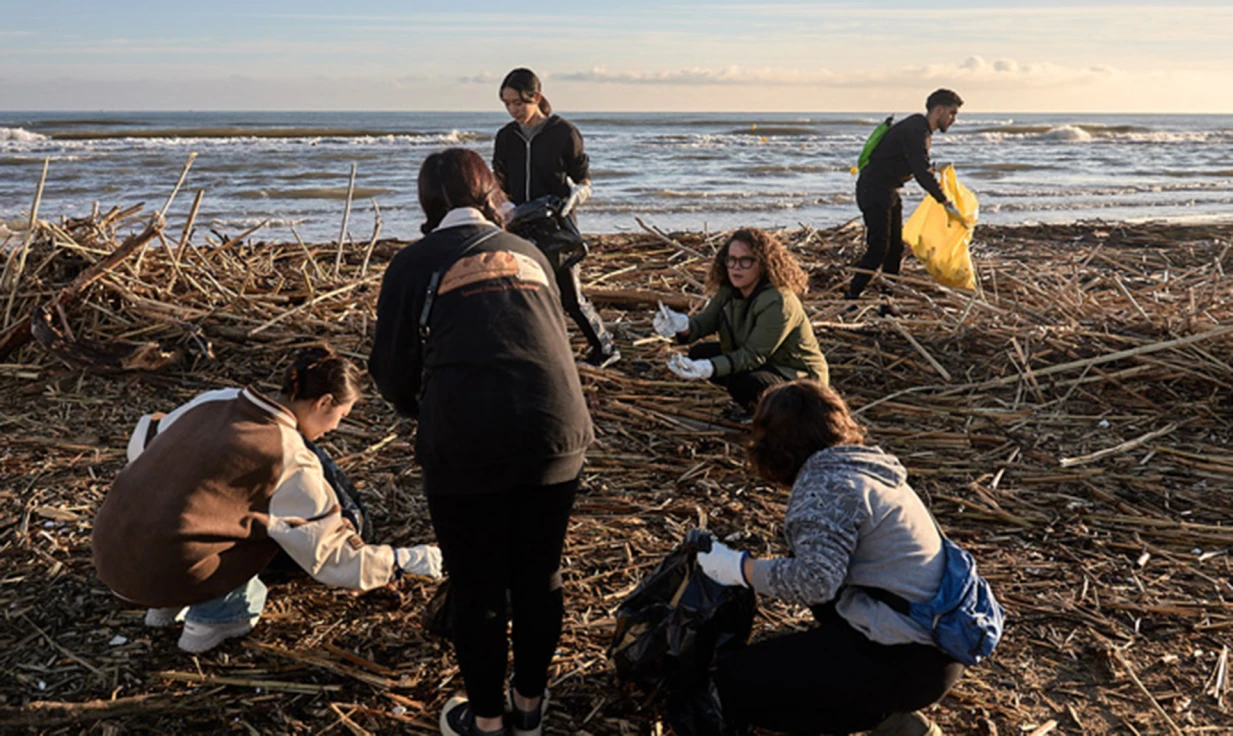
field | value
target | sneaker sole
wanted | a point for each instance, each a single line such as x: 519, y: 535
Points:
x: 443, y: 722
x: 197, y: 645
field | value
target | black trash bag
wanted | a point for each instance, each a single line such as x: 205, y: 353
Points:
x: 344, y: 491
x: 671, y: 628
x: 541, y: 222
x: 437, y: 619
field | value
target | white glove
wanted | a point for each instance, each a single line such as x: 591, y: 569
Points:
x: 506, y: 209
x: 724, y: 565
x: 690, y: 369
x: 668, y: 323
x: 422, y: 559
x: 578, y: 194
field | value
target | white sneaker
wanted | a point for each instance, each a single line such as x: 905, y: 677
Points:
x: 159, y: 618
x: 526, y: 723
x: 198, y: 637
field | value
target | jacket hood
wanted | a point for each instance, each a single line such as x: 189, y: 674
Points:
x: 871, y: 461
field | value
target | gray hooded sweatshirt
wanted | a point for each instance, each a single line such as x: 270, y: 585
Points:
x: 852, y: 519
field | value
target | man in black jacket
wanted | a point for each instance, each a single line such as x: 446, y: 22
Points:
x: 902, y: 154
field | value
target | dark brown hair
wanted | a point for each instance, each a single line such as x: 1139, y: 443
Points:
x: 943, y: 97
x: 458, y: 177
x: 792, y: 422
x: 779, y: 266
x: 526, y: 84
x: 318, y: 371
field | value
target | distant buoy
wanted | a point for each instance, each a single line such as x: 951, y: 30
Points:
x: 753, y: 126
x: 764, y: 139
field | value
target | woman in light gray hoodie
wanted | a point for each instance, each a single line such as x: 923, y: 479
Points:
x: 862, y: 545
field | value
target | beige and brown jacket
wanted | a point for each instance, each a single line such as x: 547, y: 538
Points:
x: 211, y: 493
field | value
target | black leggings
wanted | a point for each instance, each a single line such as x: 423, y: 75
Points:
x: 830, y: 679
x: 584, y: 314
x: 883, y: 213
x: 744, y: 388
x: 493, y: 543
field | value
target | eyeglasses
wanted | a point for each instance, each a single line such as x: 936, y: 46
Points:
x: 743, y: 262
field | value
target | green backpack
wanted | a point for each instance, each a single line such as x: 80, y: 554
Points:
x: 871, y: 143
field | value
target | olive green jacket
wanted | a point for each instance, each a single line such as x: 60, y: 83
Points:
x: 769, y: 327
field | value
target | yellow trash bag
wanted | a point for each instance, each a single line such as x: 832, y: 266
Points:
x: 940, y: 244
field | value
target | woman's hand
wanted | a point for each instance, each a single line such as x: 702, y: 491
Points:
x: 423, y: 560
x: 578, y: 194
x: 668, y: 323
x: 690, y: 369
x: 724, y: 565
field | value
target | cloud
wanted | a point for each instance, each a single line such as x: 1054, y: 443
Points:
x: 481, y: 78
x: 730, y: 75
x: 973, y: 70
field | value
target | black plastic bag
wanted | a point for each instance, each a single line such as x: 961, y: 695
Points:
x: 437, y: 618
x: 541, y: 222
x: 345, y: 492
x: 671, y: 628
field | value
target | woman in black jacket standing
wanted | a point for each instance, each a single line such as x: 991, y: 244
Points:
x: 539, y: 153
x: 470, y: 340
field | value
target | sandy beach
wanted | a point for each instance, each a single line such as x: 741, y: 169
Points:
x: 1069, y: 423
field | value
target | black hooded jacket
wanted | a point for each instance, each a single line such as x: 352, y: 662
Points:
x: 532, y: 168
x: 501, y: 403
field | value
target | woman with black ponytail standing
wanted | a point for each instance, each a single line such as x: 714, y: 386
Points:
x: 540, y: 153
x: 471, y: 342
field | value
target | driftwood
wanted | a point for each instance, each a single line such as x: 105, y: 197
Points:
x: 1070, y: 423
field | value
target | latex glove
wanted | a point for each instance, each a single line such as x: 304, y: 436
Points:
x: 690, y: 369
x: 422, y: 559
x: 668, y: 323
x: 724, y: 565
x: 578, y: 194
x: 954, y: 215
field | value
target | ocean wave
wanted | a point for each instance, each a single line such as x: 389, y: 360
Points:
x: 688, y: 122
x: 314, y: 193
x: 1191, y: 173
x: 1085, y: 133
x: 311, y: 135
x: 20, y: 134
x: 1118, y: 191
x: 780, y: 169
x: 773, y: 130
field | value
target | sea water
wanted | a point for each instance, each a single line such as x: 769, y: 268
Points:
x: 676, y: 171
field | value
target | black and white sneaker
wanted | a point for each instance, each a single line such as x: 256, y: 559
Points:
x: 458, y: 720
x: 526, y: 723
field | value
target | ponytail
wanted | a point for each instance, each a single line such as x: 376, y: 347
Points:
x: 317, y: 371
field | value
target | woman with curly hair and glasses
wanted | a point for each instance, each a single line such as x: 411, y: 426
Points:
x: 862, y: 546
x: 765, y: 336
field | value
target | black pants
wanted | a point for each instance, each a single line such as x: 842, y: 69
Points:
x: 830, y: 679
x: 744, y: 388
x: 584, y: 314
x: 493, y: 543
x: 883, y: 213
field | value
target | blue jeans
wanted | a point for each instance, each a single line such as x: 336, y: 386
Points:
x: 243, y: 603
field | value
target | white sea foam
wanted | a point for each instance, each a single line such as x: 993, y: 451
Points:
x: 21, y: 135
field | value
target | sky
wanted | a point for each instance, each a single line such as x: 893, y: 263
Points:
x: 627, y: 55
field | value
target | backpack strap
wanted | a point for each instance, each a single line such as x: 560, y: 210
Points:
x: 430, y: 294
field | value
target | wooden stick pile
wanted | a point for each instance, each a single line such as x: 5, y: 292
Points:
x: 1069, y: 422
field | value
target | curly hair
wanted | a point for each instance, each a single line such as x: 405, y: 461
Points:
x: 792, y: 422
x: 778, y: 264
